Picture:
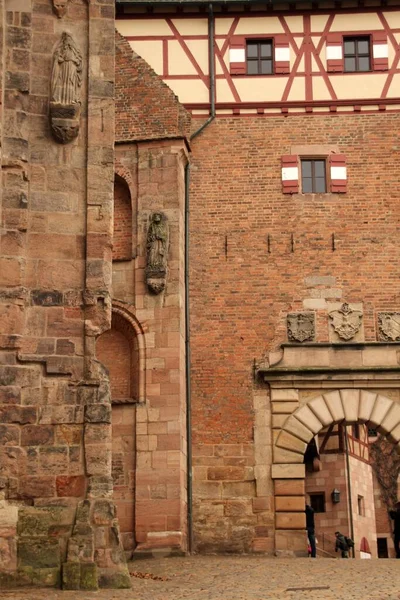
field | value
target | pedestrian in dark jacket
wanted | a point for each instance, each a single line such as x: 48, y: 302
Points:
x: 341, y: 544
x: 310, y: 525
x: 395, y: 515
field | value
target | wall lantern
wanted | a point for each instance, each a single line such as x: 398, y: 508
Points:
x: 335, y: 496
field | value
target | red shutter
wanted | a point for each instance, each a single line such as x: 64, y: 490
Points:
x: 282, y: 54
x: 290, y: 174
x: 237, y: 55
x: 380, y: 50
x: 334, y: 53
x: 338, y: 173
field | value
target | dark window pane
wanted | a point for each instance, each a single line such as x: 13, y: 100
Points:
x: 349, y: 64
x: 307, y: 185
x: 320, y: 187
x: 363, y: 47
x: 363, y: 63
x: 306, y: 168
x: 319, y: 168
x: 252, y: 67
x: 349, y: 47
x: 252, y: 50
x: 266, y: 50
x: 266, y: 67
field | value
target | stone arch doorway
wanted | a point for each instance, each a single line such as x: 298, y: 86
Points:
x: 121, y: 349
x: 300, y: 427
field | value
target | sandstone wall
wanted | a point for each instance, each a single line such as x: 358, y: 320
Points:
x: 57, y: 517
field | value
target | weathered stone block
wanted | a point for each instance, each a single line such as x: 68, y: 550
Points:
x: 37, y: 487
x: 37, y: 435
x: 71, y: 485
x: 290, y: 520
x: 71, y: 576
x: 89, y: 577
x: 38, y: 554
x: 288, y: 471
x: 289, y: 503
x: 98, y: 413
x: 289, y: 487
x: 110, y: 578
x: 9, y: 435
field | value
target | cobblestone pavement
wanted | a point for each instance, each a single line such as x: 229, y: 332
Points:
x: 244, y: 578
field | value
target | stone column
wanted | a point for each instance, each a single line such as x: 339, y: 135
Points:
x: 161, y: 419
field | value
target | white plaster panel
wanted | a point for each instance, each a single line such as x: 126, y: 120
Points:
x: 178, y: 62
x: 189, y: 91
x: 318, y: 22
x: 222, y: 26
x: 260, y: 26
x: 357, y: 22
x: 298, y: 89
x: 223, y: 91
x: 360, y: 86
x: 191, y: 26
x: 137, y: 27
x: 393, y: 18
x: 237, y: 55
x: 380, y: 50
x: 199, y: 50
x: 259, y: 89
x: 290, y: 173
x: 151, y: 52
x: 338, y: 172
x: 334, y: 53
x: 320, y: 91
x: 282, y: 54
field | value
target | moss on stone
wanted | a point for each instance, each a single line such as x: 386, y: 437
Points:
x: 115, y: 579
x: 71, y: 576
x: 89, y: 576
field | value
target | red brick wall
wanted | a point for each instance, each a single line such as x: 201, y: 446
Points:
x: 241, y: 290
x: 146, y: 107
x: 122, y: 238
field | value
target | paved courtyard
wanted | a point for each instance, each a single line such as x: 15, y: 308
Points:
x: 244, y: 578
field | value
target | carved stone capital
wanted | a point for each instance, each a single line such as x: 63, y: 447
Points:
x: 60, y: 7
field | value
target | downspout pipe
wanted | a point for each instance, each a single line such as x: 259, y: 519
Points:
x: 211, y: 59
x: 211, y: 69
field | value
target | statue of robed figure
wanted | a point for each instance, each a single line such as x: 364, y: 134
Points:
x: 157, y: 252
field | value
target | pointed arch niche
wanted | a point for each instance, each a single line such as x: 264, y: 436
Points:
x: 122, y: 351
x: 313, y: 387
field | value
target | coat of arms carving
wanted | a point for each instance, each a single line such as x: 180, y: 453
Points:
x: 389, y: 326
x: 301, y: 327
x: 346, y: 321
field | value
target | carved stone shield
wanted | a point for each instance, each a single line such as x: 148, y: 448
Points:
x: 301, y: 327
x: 346, y: 322
x: 389, y: 326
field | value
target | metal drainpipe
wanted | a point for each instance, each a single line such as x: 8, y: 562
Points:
x: 349, y: 486
x: 211, y: 68
x: 211, y: 33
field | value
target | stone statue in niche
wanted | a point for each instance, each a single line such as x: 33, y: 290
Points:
x: 345, y: 321
x: 60, y: 7
x: 157, y: 252
x: 66, y: 82
x: 389, y: 326
x: 301, y: 327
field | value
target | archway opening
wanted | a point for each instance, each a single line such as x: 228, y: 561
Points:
x: 118, y: 350
x: 343, y: 444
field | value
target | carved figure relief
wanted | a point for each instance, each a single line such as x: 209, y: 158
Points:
x: 346, y: 322
x: 60, y: 7
x: 389, y: 326
x: 66, y: 82
x: 157, y: 252
x: 301, y: 327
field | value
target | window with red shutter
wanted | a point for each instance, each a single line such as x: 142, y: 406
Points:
x: 380, y: 51
x: 290, y: 174
x: 338, y: 173
x: 237, y: 55
x: 334, y: 53
x: 282, y: 54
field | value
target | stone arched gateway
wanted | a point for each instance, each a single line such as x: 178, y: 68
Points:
x: 314, y: 386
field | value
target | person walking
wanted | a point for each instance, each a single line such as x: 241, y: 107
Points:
x: 310, y: 526
x: 395, y: 515
x: 341, y: 544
